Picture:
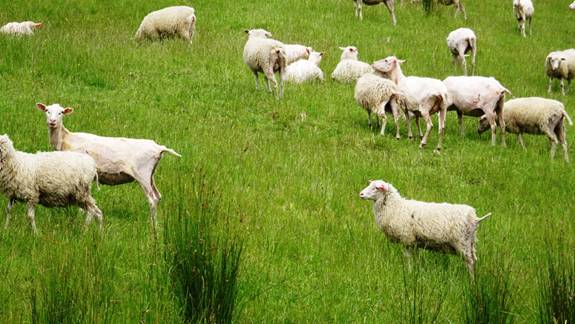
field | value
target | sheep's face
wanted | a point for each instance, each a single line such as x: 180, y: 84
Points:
x: 484, y: 124
x: 315, y: 57
x: 375, y: 190
x: 32, y: 25
x: 54, y: 114
x: 349, y: 52
x: 387, y: 65
x: 5, y: 146
x: 258, y: 33
x: 555, y: 62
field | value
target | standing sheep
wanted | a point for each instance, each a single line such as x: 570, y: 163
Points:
x: 51, y: 179
x: 25, y: 28
x: 119, y: 160
x: 349, y: 67
x: 177, y: 21
x: 560, y: 65
x: 458, y: 6
x: 459, y: 42
x: 390, y: 4
x: 535, y: 115
x: 443, y: 226
x: 523, y: 10
x: 305, y: 70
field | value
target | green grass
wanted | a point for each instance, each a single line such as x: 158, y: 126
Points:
x: 290, y: 170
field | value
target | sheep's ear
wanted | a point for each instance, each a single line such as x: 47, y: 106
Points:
x: 68, y: 110
x: 342, y: 48
x: 401, y: 61
x: 268, y: 34
x: 247, y: 31
x: 382, y: 187
x: 41, y: 106
x: 308, y: 50
x: 563, y: 59
x: 39, y: 25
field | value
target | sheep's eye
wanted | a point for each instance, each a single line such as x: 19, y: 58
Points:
x: 60, y: 113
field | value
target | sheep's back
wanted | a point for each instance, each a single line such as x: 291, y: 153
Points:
x: 530, y: 115
x: 257, y: 51
x: 372, y: 90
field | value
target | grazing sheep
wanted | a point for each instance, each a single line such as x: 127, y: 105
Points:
x: 443, y: 226
x: 119, y: 160
x: 390, y: 4
x: 349, y: 67
x: 51, y: 179
x: 429, y: 96
x: 377, y: 95
x: 25, y: 28
x: 459, y: 42
x: 478, y: 96
x: 177, y: 21
x: 523, y: 10
x: 560, y: 65
x: 295, y: 52
x: 305, y: 70
x: 535, y: 115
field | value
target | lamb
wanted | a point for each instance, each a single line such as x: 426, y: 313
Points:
x: 376, y: 95
x: 460, y: 42
x: 295, y: 52
x: 443, y: 226
x: 523, y: 10
x: 25, y: 28
x: 428, y: 95
x: 560, y: 65
x: 176, y: 21
x: 118, y: 160
x: 262, y: 54
x: 305, y: 70
x: 51, y: 179
x: 349, y: 67
x: 534, y: 115
x: 390, y: 4
x: 478, y: 96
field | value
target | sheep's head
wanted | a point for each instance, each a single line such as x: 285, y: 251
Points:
x: 484, y: 123
x: 5, y: 146
x: 54, y: 114
x: 315, y: 57
x: 554, y: 61
x: 349, y: 52
x: 387, y: 65
x: 258, y: 33
x: 376, y: 189
x: 34, y: 25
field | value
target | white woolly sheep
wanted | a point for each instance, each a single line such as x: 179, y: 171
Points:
x: 349, y: 67
x: 378, y: 95
x: 430, y: 96
x: 443, y: 226
x: 305, y: 70
x: 572, y: 5
x: 389, y: 4
x: 119, y: 160
x: 477, y: 96
x: 51, y: 179
x: 560, y: 65
x: 25, y: 28
x: 534, y: 115
x: 523, y: 10
x: 177, y: 21
x: 459, y: 42
x: 295, y: 52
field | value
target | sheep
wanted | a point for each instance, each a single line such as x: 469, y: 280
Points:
x: 459, y: 42
x: 176, y: 21
x: 25, y: 28
x: 458, y: 6
x: 376, y: 95
x: 428, y: 95
x: 534, y: 115
x: 390, y: 4
x: 560, y: 65
x: 295, y: 52
x: 118, y: 160
x: 478, y: 96
x: 523, y: 10
x: 51, y: 179
x: 349, y: 67
x: 305, y: 70
x: 572, y: 5
x: 443, y: 226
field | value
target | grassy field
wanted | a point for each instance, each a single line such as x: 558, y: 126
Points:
x: 285, y: 174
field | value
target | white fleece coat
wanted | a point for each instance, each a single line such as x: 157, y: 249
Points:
x: 177, y: 21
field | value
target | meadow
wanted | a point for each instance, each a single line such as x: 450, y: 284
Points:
x: 278, y: 180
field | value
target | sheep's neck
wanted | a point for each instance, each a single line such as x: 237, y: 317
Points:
x: 58, y: 136
x: 397, y: 75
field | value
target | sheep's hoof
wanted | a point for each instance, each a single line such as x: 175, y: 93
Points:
x: 437, y: 151
x: 398, y: 137
x: 410, y: 138
x: 422, y: 145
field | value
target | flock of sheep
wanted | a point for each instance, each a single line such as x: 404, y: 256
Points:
x: 64, y: 177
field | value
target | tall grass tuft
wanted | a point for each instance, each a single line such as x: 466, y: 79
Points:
x: 203, y: 267
x: 557, y: 286
x: 489, y: 298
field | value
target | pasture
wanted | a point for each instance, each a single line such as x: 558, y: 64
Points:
x: 284, y: 174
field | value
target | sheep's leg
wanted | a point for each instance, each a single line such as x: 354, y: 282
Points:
x: 554, y: 141
x: 560, y: 132
x: 520, y: 138
x: 442, y: 115
x: 391, y: 8
x: 358, y: 8
x: 462, y: 9
x: 562, y: 86
x: 369, y: 118
x: 281, y: 94
x: 493, y: 127
x: 31, y: 216
x: 92, y: 211
x: 460, y: 121
x: 463, y: 63
x: 408, y: 119
x: 257, y: 81
x: 474, y: 55
x: 154, y: 188
x: 549, y: 85
x: 9, y: 207
x: 530, y: 33
x: 502, y: 125
x: 395, y: 112
x: 418, y: 127
x: 146, y: 185
x: 429, y: 125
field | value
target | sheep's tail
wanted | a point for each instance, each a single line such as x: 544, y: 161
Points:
x: 169, y: 150
x: 97, y: 179
x: 568, y: 118
x: 479, y: 220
